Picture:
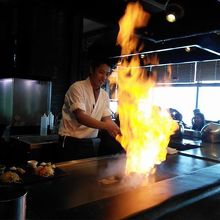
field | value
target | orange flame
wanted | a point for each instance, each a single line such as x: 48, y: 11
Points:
x: 145, y: 128
x: 135, y: 17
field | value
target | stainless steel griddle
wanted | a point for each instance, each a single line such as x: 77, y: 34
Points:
x: 79, y: 194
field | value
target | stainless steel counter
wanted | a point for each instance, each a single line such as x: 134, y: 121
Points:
x: 36, y: 141
x: 185, y: 143
x: 208, y: 151
x: 179, y: 181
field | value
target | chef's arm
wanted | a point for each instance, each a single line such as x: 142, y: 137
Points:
x: 106, y: 123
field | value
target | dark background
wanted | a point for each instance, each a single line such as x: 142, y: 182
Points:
x: 53, y: 39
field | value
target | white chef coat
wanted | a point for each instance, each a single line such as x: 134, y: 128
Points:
x: 80, y: 96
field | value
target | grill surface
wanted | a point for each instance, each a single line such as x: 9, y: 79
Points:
x: 80, y: 194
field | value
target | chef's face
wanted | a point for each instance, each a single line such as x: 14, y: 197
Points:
x: 100, y: 75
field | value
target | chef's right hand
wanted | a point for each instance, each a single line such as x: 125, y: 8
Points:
x: 112, y: 128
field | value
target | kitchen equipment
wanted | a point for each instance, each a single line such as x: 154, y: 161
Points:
x: 192, y: 134
x: 12, y: 202
x: 211, y: 132
x: 23, y: 101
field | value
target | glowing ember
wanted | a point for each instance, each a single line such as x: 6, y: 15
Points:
x: 145, y: 128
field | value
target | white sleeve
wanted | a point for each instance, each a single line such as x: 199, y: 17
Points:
x: 76, y: 98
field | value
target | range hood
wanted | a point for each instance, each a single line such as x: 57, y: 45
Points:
x: 23, y: 101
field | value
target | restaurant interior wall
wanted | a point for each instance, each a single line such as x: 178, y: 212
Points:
x: 42, y: 41
x: 47, y: 42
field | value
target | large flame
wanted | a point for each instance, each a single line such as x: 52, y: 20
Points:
x: 145, y: 128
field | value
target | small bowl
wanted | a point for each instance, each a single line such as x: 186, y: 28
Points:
x: 32, y: 163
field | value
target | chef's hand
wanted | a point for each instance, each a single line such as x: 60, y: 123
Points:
x: 112, y: 128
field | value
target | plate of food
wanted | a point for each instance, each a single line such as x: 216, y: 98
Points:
x: 32, y: 172
x: 12, y: 176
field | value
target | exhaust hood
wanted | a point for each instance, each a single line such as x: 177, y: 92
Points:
x: 23, y: 101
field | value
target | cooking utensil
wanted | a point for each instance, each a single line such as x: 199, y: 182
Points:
x: 12, y: 202
x: 211, y: 132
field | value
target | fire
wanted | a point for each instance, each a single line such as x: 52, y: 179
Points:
x: 145, y: 128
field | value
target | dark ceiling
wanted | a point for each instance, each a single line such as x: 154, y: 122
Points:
x: 199, y: 25
x: 199, y: 16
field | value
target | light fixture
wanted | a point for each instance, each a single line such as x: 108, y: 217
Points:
x: 187, y: 49
x: 174, y: 12
x: 171, y: 17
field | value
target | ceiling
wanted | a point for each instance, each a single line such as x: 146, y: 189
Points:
x: 199, y: 25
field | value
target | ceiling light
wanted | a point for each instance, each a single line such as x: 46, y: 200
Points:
x: 171, y: 17
x: 174, y: 12
x: 188, y: 49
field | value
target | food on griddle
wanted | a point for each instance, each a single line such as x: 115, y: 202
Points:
x: 48, y: 164
x: 109, y: 180
x: 10, y: 177
x: 43, y: 164
x: 20, y: 170
x: 45, y: 171
x: 13, y: 168
x: 15, y: 174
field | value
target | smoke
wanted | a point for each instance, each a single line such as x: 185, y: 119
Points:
x: 114, y: 172
x: 115, y: 168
